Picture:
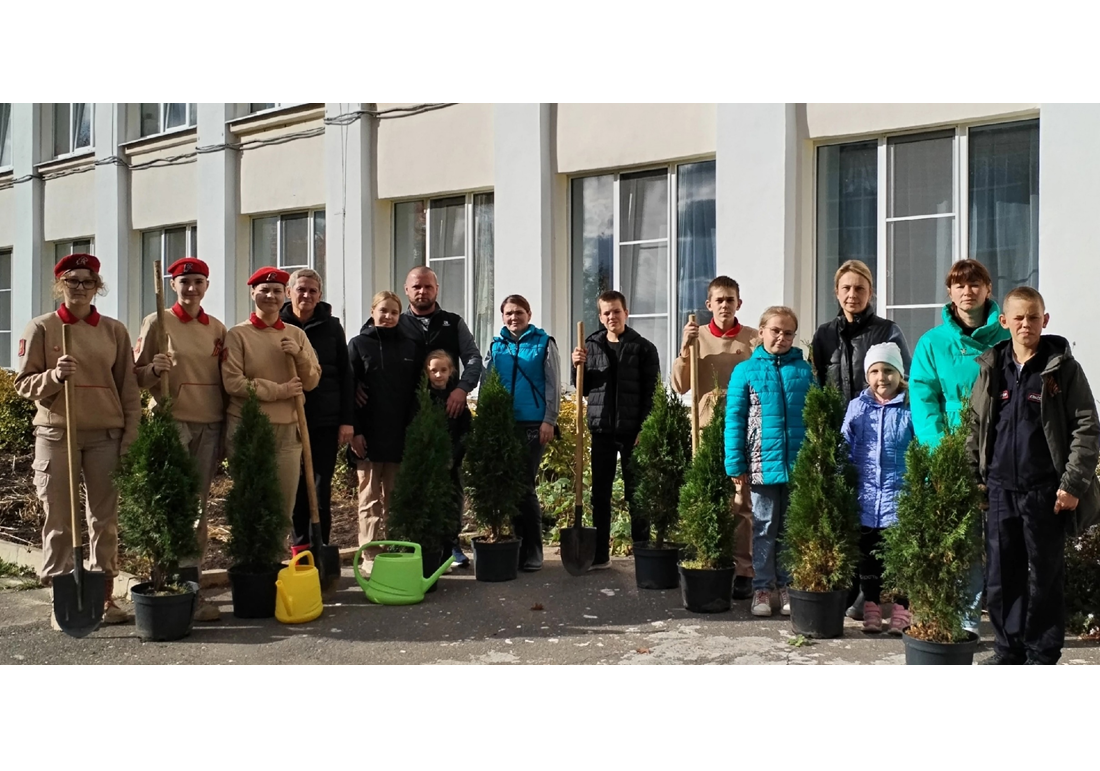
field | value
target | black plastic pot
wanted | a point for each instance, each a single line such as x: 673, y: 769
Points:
x: 166, y: 617
x: 818, y: 614
x: 924, y: 652
x: 431, y: 561
x: 656, y: 568
x: 253, y: 592
x: 706, y: 591
x: 496, y: 561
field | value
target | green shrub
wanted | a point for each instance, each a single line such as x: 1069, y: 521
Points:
x: 495, y: 461
x: 16, y: 415
x: 254, y: 508
x: 158, y: 487
x: 1083, y: 584
x: 706, y: 517
x: 822, y: 528
x: 661, y: 460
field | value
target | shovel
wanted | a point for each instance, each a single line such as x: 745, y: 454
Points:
x: 78, y: 597
x: 578, y: 543
x: 326, y: 558
x: 162, y: 331
x: 694, y: 370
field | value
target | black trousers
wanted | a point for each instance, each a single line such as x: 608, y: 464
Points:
x: 870, y: 567
x: 528, y: 525
x: 606, y: 450
x: 322, y: 442
x: 1026, y: 568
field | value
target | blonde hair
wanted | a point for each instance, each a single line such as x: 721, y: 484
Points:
x: 439, y: 353
x: 307, y: 273
x: 854, y: 266
x: 384, y: 295
x: 778, y: 310
x: 57, y: 291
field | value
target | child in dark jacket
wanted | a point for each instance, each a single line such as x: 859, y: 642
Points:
x: 442, y: 379
x: 878, y: 428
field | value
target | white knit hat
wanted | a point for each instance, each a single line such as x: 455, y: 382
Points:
x: 887, y: 353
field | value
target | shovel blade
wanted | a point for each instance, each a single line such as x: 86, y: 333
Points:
x: 578, y: 549
x: 79, y: 608
x: 325, y: 557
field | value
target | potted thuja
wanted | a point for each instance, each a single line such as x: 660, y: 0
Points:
x: 255, y: 514
x: 158, y: 487
x: 821, y: 535
x: 661, y: 460
x: 928, y: 552
x: 494, y: 466
x: 707, y: 523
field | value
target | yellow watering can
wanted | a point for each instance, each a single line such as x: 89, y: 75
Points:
x: 397, y: 578
x: 298, y: 591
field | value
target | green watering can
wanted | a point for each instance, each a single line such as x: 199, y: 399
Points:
x: 397, y: 578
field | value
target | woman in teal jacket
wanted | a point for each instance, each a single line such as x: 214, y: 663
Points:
x: 945, y: 368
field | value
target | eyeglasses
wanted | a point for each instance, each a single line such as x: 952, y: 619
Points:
x: 782, y: 333
x: 76, y: 283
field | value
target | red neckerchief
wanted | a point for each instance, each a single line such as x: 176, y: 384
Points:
x: 259, y: 323
x: 733, y: 331
x: 67, y: 316
x: 184, y: 316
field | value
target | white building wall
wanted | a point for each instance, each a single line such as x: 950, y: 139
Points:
x: 7, y: 217
x: 282, y: 177
x: 824, y: 120
x: 69, y: 207
x: 164, y: 195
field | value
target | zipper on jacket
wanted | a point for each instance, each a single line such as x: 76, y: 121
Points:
x: 783, y: 396
x: 881, y: 449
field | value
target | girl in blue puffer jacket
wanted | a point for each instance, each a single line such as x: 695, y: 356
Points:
x: 764, y: 432
x: 878, y: 428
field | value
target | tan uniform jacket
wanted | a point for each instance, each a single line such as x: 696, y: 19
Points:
x: 254, y: 355
x: 717, y: 358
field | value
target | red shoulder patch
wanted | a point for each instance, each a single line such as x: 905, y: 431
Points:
x: 137, y: 347
x: 219, y: 349
x: 22, y: 348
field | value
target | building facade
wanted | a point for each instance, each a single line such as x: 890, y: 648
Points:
x: 556, y: 202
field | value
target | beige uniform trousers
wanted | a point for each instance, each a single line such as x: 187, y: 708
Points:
x: 375, y: 485
x: 742, y: 538
x: 288, y: 460
x: 203, y: 441
x: 97, y: 453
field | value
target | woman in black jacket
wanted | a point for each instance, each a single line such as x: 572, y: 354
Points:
x: 384, y: 360
x: 329, y: 406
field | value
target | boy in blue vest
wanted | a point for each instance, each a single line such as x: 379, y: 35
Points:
x: 1034, y: 443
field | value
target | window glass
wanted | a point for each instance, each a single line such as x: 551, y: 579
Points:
x: 695, y: 236
x: 295, y: 241
x: 5, y: 134
x: 265, y: 242
x: 5, y: 309
x: 150, y: 119
x: 448, y: 228
x: 484, y: 323
x: 319, y: 242
x: 82, y: 125
x: 593, y: 211
x: 176, y: 114
x: 60, y: 129
x: 409, y: 220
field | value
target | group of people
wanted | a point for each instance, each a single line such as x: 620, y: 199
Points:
x: 1034, y: 435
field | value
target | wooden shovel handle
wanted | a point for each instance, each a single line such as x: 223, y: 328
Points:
x: 307, y: 453
x: 162, y: 333
x: 578, y: 457
x: 70, y: 441
x: 694, y: 354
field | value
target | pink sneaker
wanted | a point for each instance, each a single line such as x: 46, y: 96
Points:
x: 899, y: 620
x: 872, y: 618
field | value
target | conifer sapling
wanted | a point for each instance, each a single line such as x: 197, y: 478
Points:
x: 662, y: 458
x: 706, y: 516
x: 496, y: 460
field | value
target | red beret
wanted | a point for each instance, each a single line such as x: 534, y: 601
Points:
x: 188, y: 265
x: 269, y: 275
x: 75, y: 261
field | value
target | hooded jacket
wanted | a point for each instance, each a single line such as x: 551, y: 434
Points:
x: 385, y: 361
x: 619, y: 388
x: 878, y: 436
x: 332, y: 402
x: 944, y: 369
x: 839, y: 347
x: 764, y: 428
x: 1068, y: 414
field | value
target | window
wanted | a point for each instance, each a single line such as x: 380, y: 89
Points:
x: 443, y: 233
x: 258, y: 107
x: 166, y: 245
x: 72, y: 128
x: 5, y: 135
x: 290, y: 241
x: 60, y: 249
x: 5, y: 308
x: 158, y: 118
x: 624, y: 227
x: 961, y: 192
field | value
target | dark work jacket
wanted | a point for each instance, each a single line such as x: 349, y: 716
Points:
x: 1020, y: 459
x: 839, y: 347
x: 332, y: 402
x: 619, y: 388
x: 457, y: 427
x: 385, y: 362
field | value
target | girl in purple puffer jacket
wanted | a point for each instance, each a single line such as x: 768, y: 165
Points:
x: 879, y: 427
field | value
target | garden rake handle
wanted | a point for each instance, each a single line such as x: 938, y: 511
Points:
x: 578, y: 458
x: 307, y: 453
x: 70, y: 441
x: 694, y: 369
x: 162, y: 333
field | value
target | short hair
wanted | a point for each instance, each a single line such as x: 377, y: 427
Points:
x: 384, y: 295
x: 422, y: 269
x: 516, y: 299
x: 854, y: 266
x: 968, y: 272
x: 723, y: 282
x: 439, y: 353
x: 778, y: 310
x: 307, y: 273
x: 1027, y: 294
x: 611, y: 296
x: 58, y: 289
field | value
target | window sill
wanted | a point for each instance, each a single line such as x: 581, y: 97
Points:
x: 171, y: 138
x: 6, y: 172
x: 276, y: 117
x: 66, y: 163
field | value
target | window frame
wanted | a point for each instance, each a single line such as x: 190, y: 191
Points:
x: 6, y: 324
x: 960, y: 189
x: 74, y: 151
x: 10, y: 138
x: 311, y: 255
x: 190, y: 250
x: 190, y: 118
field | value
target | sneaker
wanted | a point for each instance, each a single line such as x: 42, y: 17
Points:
x: 206, y: 611
x: 762, y: 603
x: 53, y: 622
x: 899, y: 621
x: 784, y: 602
x: 461, y: 560
x: 113, y: 614
x: 605, y: 565
x: 872, y: 618
x: 742, y: 587
x: 532, y: 565
x: 1005, y: 658
x: 856, y: 611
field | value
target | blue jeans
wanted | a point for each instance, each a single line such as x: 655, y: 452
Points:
x: 769, y: 511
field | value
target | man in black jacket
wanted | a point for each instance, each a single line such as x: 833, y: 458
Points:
x: 620, y: 371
